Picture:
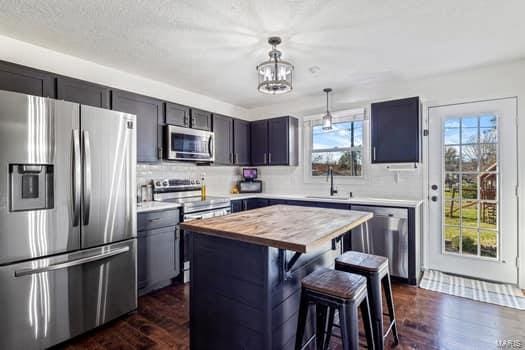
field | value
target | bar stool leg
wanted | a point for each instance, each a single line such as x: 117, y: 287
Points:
x: 301, y: 322
x: 376, y: 308
x: 365, y: 313
x: 320, y: 312
x: 348, y: 320
x: 330, y: 326
x: 387, y: 286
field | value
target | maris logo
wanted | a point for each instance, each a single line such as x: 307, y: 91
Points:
x: 510, y: 344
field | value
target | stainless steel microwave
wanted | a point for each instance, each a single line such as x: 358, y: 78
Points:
x: 188, y: 144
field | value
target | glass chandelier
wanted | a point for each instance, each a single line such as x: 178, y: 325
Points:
x: 275, y: 75
x: 327, y: 118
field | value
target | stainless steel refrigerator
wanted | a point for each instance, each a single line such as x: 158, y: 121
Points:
x: 67, y: 219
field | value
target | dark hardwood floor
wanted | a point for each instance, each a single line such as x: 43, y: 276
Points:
x: 426, y: 320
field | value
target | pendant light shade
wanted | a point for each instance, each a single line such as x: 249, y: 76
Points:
x: 327, y: 118
x: 275, y: 75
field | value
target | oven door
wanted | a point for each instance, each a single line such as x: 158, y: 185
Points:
x: 189, y: 144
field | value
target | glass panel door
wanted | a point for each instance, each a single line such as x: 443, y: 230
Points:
x: 472, y: 177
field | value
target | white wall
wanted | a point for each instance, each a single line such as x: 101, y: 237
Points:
x: 26, y: 54
x: 495, y: 81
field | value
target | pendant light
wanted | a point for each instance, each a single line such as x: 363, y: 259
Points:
x: 275, y: 75
x: 327, y: 119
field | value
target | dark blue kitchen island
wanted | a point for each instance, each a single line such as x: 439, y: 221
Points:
x: 246, y: 270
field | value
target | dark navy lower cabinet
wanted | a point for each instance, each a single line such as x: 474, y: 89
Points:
x: 158, y: 249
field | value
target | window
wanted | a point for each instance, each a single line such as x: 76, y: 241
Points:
x: 470, y: 186
x: 340, y: 148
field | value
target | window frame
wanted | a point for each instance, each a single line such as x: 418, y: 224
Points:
x: 339, y: 116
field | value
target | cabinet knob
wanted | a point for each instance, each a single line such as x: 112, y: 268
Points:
x: 434, y: 187
x: 434, y: 198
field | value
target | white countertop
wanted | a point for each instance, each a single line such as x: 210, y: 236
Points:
x: 153, y: 206
x: 406, y: 203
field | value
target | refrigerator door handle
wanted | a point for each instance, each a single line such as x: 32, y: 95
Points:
x: 77, y: 174
x: 87, y: 176
x: 71, y: 263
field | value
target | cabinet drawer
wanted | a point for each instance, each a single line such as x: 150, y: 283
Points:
x: 157, y: 219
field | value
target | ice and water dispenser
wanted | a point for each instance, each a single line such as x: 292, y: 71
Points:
x: 31, y: 187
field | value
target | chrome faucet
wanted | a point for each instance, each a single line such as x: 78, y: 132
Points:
x: 331, y: 177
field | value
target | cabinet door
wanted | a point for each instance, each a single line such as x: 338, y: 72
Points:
x: 223, y: 131
x: 241, y: 142
x: 259, y: 142
x: 158, y: 260
x: 25, y: 80
x: 82, y: 92
x: 237, y: 206
x: 177, y: 114
x: 395, y: 131
x: 149, y: 122
x: 278, y: 141
x: 254, y: 203
x: 200, y: 119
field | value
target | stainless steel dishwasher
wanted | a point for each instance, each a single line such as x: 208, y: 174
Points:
x: 387, y: 236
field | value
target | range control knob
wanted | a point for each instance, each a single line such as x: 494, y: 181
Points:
x: 158, y: 184
x: 192, y: 182
x: 165, y: 183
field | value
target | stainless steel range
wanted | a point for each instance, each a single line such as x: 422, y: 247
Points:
x: 193, y: 207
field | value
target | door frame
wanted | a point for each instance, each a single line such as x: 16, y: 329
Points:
x: 425, y: 248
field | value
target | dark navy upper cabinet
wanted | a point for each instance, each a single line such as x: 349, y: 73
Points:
x: 150, y: 119
x: 177, y: 114
x: 259, y: 142
x: 275, y: 141
x: 82, y: 92
x: 25, y: 80
x: 223, y: 132
x: 395, y: 131
x: 200, y: 119
x: 241, y: 142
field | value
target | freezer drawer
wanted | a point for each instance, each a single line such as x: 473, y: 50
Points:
x: 47, y: 301
x: 388, y: 236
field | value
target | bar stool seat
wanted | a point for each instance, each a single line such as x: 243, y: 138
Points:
x: 331, y: 290
x: 336, y: 283
x: 362, y: 261
x: 375, y: 269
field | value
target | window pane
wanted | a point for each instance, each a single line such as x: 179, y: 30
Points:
x: 348, y: 163
x: 451, y: 212
x: 451, y: 186
x: 358, y: 134
x: 337, y: 137
x: 469, y: 157
x: 488, y: 186
x: 470, y: 241
x: 452, y: 123
x: 452, y: 239
x: 469, y: 213
x: 487, y: 121
x: 488, y: 218
x: 452, y: 158
x: 469, y: 135
x: 488, y: 157
x: 488, y: 243
x: 469, y: 186
x: 451, y: 136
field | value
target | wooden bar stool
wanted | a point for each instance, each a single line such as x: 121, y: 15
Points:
x: 331, y: 290
x: 375, y: 269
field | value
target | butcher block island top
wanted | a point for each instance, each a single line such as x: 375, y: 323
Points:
x: 299, y: 229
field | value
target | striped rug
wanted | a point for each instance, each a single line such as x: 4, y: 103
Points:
x: 494, y: 293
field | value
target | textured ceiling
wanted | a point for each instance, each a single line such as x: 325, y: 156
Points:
x: 212, y: 47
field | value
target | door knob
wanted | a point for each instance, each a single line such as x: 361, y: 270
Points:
x: 434, y: 198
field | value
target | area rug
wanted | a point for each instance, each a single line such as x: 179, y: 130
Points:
x: 487, y: 292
